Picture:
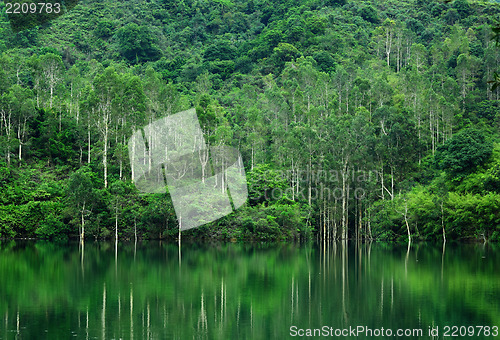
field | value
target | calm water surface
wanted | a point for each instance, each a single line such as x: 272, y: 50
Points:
x: 239, y: 291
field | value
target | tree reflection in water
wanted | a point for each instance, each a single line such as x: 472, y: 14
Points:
x: 255, y: 291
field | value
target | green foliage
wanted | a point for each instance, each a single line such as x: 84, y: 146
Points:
x: 487, y: 109
x: 136, y: 43
x: 52, y: 225
x: 222, y: 50
x: 265, y: 184
x: 309, y: 93
x: 80, y: 188
x: 335, y: 2
x: 462, y: 7
x: 104, y: 29
x: 474, y: 215
x: 324, y: 61
x: 369, y: 14
x: 463, y: 152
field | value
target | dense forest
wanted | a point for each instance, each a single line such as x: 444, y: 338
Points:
x: 355, y: 119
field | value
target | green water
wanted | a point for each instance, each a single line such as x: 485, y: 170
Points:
x: 236, y: 291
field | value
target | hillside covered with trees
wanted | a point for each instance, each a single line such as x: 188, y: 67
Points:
x: 355, y: 119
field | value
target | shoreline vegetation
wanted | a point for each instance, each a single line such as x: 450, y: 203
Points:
x: 354, y: 119
x: 209, y: 240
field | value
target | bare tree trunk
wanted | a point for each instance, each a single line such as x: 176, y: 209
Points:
x: 406, y: 221
x: 347, y: 212
x: 392, y: 183
x: 105, y: 155
x: 132, y: 167
x: 343, y: 205
x: 88, y: 138
x: 37, y: 87
x: 7, y: 122
x: 382, y: 181
x: 388, y: 45
x: 369, y: 225
x: 204, y: 157
x: 309, y: 178
x: 135, y: 229
x: 116, y: 224
x: 251, y: 165
x: 82, y: 235
x: 20, y: 140
x: 51, y: 94
x: 442, y: 222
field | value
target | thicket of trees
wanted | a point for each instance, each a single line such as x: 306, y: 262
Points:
x: 355, y: 119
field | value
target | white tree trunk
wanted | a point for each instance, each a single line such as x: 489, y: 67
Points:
x: 82, y: 235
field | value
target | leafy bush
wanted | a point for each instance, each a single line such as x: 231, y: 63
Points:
x: 136, y: 43
x: 463, y: 152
